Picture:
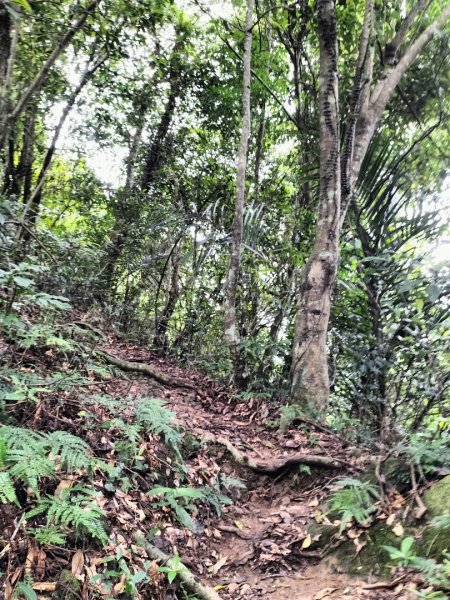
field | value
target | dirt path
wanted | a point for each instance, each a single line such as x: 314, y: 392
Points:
x: 257, y: 547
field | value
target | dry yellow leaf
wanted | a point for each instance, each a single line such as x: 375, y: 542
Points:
x: 307, y: 542
x: 398, y: 530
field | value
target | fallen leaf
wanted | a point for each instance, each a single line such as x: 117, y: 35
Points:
x: 398, y: 530
x: 44, y: 586
x: 218, y: 565
x: 390, y: 520
x: 78, y: 564
x: 306, y: 542
x: 318, y: 516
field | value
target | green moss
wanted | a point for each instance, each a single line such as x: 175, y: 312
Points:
x: 373, y: 558
x: 437, y: 498
x: 434, y: 542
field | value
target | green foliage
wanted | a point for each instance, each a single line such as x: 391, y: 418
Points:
x: 32, y: 456
x: 152, y: 416
x: 24, y: 590
x: 433, y: 572
x: 73, y: 452
x: 355, y: 500
x: 406, y: 555
x: 179, y: 500
x: 7, y: 491
x: 28, y: 457
x: 442, y: 521
x: 118, y: 570
x: 214, y: 494
x: 427, y: 451
x: 73, y: 508
x: 176, y: 567
x: 289, y: 414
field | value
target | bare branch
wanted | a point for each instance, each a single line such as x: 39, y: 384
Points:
x: 392, y: 47
x: 369, y: 119
x: 75, y: 26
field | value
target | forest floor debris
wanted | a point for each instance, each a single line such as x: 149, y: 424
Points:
x: 253, y: 544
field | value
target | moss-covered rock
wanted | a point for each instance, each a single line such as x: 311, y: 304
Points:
x: 437, y: 498
x: 374, y: 559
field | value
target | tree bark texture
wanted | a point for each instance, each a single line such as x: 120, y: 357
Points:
x: 309, y: 371
x: 230, y: 322
x: 310, y: 381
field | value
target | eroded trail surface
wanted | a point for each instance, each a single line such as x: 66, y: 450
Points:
x: 258, y: 546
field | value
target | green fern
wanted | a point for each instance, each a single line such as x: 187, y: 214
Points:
x: 24, y: 590
x: 74, y: 453
x: 48, y: 535
x: 75, y: 509
x: 3, y: 452
x: 30, y: 465
x: 7, y: 491
x: 355, y: 500
x: 31, y: 455
x: 154, y: 417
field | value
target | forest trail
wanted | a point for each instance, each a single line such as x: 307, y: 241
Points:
x: 258, y: 547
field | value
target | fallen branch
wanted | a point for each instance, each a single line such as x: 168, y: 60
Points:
x: 273, y: 465
x: 384, y: 584
x: 145, y: 369
x: 202, y: 591
x: 86, y: 325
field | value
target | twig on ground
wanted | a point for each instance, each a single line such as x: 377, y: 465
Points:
x: 384, y: 584
x: 421, y: 508
x: 148, y: 370
x: 202, y: 591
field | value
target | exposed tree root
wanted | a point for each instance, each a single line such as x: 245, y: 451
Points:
x: 273, y: 465
x: 202, y: 591
x: 145, y: 369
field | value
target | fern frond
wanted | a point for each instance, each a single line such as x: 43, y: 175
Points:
x: 154, y: 417
x: 19, y: 438
x: 30, y: 466
x: 79, y: 513
x: 7, y: 491
x: 3, y: 452
x: 74, y: 452
x: 48, y: 536
x: 74, y: 509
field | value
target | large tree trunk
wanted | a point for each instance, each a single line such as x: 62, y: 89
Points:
x: 230, y: 322
x: 310, y: 381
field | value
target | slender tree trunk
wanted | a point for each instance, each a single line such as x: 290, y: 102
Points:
x: 160, y: 339
x: 33, y: 200
x: 259, y: 148
x: 155, y: 151
x: 309, y: 357
x: 5, y: 41
x: 77, y: 24
x: 25, y: 166
x: 230, y: 322
x: 119, y: 235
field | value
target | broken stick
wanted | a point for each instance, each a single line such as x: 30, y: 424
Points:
x: 145, y: 369
x: 194, y: 585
